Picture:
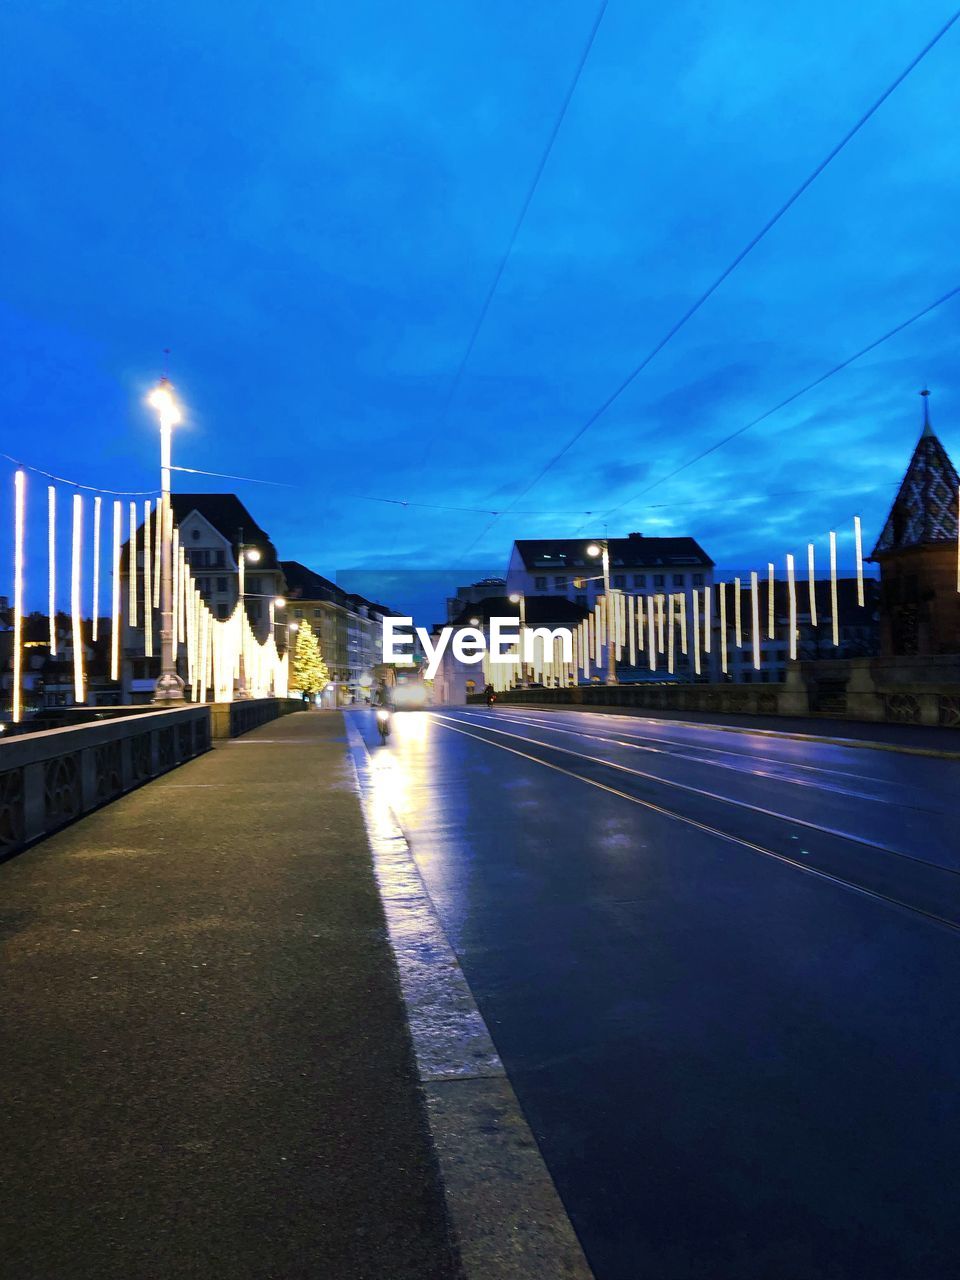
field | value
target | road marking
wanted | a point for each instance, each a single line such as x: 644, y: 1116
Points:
x: 704, y: 827
x: 501, y: 1198
x: 861, y: 744
x: 681, y: 751
x: 728, y: 800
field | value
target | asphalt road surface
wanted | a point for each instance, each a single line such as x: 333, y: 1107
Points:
x: 722, y: 970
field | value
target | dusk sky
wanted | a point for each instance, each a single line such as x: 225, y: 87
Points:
x: 307, y: 203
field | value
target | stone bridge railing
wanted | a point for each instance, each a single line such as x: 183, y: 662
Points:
x: 48, y: 779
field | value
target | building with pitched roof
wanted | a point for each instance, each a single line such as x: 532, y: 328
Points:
x: 348, y: 626
x: 917, y: 554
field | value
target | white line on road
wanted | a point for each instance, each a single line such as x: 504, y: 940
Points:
x: 681, y: 751
x: 704, y: 827
x: 721, y: 799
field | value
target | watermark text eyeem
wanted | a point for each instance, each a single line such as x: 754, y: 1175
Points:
x: 470, y: 644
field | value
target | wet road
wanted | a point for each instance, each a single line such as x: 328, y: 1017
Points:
x: 722, y: 972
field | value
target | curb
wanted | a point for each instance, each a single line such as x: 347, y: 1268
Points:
x: 507, y: 1216
x: 862, y: 743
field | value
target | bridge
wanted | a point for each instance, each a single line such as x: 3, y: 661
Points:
x: 531, y: 991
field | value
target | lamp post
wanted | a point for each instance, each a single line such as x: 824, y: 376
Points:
x: 169, y: 686
x: 520, y: 599
x: 602, y: 549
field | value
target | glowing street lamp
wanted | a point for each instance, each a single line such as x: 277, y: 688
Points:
x: 602, y: 549
x: 169, y: 686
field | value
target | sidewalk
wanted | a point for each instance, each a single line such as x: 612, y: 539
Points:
x: 206, y: 1067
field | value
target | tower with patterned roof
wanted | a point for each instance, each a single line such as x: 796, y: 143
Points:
x: 917, y: 554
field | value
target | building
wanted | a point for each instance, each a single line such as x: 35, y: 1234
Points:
x: 47, y: 679
x: 348, y: 626
x: 917, y: 554
x: 473, y: 594
x: 638, y: 566
x: 212, y: 528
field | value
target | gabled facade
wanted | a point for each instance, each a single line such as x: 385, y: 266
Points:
x: 917, y: 554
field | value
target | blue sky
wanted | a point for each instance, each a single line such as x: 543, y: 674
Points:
x: 307, y: 203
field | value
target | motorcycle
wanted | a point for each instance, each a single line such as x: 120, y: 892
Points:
x: 383, y: 723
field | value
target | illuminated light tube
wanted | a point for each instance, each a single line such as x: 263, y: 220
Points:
x: 132, y: 566
x: 671, y: 618
x: 651, y: 639
x: 723, y: 627
x: 792, y: 598
x: 19, y: 507
x: 591, y: 643
x: 771, y: 619
x: 755, y: 617
x: 858, y: 539
x: 707, y: 618
x: 115, y: 629
x: 660, y: 612
x: 96, y: 566
x: 158, y: 516
x: 737, y: 615
x: 598, y: 634
x: 147, y: 583
x: 52, y: 566
x: 958, y: 539
x: 695, y: 600
x: 631, y: 631
x: 812, y: 582
x: 641, y: 614
x: 833, y: 588
x: 184, y: 574
x: 682, y: 601
x: 175, y: 570
x: 76, y: 609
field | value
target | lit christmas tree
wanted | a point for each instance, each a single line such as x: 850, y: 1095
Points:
x: 309, y: 673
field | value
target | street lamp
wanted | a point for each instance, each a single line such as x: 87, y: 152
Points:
x: 602, y: 549
x: 517, y: 597
x: 169, y: 686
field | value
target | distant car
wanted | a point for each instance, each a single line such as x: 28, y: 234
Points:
x: 410, y: 692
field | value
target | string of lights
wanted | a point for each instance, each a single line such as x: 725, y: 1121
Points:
x: 728, y: 270
x: 76, y: 484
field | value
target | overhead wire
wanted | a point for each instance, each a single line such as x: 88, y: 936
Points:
x: 521, y: 217
x: 692, y: 310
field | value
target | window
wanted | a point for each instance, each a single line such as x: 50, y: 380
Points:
x: 218, y: 560
x: 298, y: 613
x: 204, y: 586
x: 639, y: 579
x: 318, y: 613
x: 619, y: 581
x: 678, y: 579
x: 559, y: 584
x: 221, y: 584
x: 254, y: 586
x: 658, y: 580
x: 222, y: 611
x: 539, y: 584
x: 698, y: 579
